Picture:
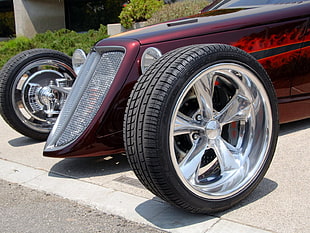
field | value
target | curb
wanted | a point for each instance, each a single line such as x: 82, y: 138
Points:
x: 138, y: 209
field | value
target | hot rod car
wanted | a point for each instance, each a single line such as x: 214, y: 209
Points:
x: 195, y: 103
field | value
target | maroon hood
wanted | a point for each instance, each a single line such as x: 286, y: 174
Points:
x: 215, y: 21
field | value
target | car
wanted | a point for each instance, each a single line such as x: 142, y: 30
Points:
x: 194, y: 103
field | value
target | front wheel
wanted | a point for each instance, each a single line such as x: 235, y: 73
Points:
x: 201, y: 127
x: 34, y: 85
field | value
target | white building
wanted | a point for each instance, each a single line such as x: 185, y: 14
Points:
x: 28, y: 17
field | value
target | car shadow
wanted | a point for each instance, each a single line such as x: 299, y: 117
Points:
x: 113, y: 164
x: 23, y: 141
x: 172, y: 217
x: 294, y: 126
x: 90, y: 167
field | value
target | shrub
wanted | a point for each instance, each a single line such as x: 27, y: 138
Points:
x: 63, y: 40
x: 177, y: 10
x: 138, y: 11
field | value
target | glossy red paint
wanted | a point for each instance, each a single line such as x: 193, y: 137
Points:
x: 278, y: 36
x: 301, y: 84
x: 277, y: 48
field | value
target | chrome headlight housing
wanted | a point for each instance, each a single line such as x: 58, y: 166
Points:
x: 78, y: 60
x: 149, y: 56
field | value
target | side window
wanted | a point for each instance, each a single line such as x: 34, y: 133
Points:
x: 240, y: 3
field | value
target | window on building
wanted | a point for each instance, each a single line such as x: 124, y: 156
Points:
x: 7, y: 23
x: 82, y: 15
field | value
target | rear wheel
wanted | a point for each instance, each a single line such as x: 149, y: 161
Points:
x: 201, y: 127
x: 33, y: 88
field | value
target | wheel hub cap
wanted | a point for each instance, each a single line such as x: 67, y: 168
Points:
x: 213, y: 129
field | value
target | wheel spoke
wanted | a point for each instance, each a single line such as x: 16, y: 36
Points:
x: 228, y: 156
x: 185, y: 125
x: 191, y: 162
x: 237, y: 176
x: 237, y: 109
x: 204, y: 91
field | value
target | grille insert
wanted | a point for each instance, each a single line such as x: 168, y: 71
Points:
x: 100, y: 78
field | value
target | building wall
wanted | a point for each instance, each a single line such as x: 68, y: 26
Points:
x: 38, y: 16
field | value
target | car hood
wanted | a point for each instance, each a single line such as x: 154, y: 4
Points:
x: 216, y: 21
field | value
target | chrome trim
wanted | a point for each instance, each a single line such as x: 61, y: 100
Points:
x: 78, y: 98
x: 150, y: 51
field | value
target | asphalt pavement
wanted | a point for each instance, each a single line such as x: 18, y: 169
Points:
x: 93, y: 189
x: 27, y: 210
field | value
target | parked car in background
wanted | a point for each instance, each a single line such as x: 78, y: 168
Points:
x: 195, y: 103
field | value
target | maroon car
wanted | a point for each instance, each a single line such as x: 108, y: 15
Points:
x: 194, y: 102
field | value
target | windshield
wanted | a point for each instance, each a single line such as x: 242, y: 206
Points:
x: 223, y: 4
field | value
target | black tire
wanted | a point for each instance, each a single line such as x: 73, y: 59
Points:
x: 201, y: 127
x: 29, y: 102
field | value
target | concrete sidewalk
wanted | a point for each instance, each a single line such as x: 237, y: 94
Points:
x: 281, y: 202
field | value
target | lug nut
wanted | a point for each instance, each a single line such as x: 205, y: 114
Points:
x: 198, y: 117
x: 195, y: 136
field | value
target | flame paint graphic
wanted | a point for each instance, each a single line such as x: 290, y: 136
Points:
x: 265, y: 44
x: 261, y: 42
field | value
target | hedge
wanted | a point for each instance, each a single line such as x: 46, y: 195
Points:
x: 63, y: 40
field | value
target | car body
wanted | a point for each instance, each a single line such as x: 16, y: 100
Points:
x: 193, y: 102
x: 264, y: 32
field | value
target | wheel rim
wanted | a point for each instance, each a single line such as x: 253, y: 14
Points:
x: 220, y: 131
x: 39, y: 92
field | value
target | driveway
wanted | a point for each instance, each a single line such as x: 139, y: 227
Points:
x: 281, y: 203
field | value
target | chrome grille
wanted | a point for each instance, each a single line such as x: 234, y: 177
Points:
x: 87, y: 95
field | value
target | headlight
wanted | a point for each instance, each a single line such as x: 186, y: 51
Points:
x: 149, y: 56
x: 78, y: 60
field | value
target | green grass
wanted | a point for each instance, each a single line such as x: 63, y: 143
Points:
x: 62, y: 40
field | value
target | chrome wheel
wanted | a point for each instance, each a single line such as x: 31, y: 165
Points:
x: 220, y: 130
x: 34, y: 85
x: 40, y: 91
